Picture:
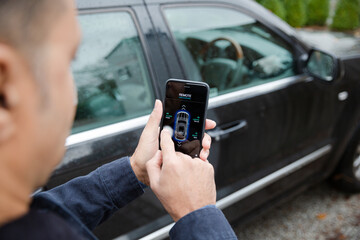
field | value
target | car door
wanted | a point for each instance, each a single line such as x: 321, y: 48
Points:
x: 116, y: 92
x: 269, y: 112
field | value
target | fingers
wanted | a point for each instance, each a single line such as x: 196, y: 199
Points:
x: 153, y: 167
x: 167, y: 145
x: 155, y: 117
x: 209, y: 124
x: 204, y: 154
x: 206, y: 142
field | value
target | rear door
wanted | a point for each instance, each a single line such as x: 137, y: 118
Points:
x: 116, y: 91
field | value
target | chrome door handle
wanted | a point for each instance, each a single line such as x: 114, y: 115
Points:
x: 219, y: 132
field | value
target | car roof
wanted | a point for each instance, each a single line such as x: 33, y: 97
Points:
x: 249, y: 6
x: 91, y: 4
x: 85, y: 4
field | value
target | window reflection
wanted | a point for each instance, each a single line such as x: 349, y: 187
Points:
x: 227, y: 49
x: 110, y: 72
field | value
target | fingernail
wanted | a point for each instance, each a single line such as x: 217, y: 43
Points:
x: 157, y: 102
x: 168, y: 129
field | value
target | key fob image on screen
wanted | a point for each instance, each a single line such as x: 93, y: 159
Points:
x: 185, y: 108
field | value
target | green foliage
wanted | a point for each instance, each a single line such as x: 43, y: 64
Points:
x: 318, y: 12
x: 358, y: 10
x: 346, y: 15
x: 296, y: 12
x: 276, y: 6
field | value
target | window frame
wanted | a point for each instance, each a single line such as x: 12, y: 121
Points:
x: 126, y: 125
x: 297, y: 51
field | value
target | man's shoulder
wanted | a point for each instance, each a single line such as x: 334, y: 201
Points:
x: 38, y: 224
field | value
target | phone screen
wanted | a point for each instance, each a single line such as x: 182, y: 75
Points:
x: 185, y: 111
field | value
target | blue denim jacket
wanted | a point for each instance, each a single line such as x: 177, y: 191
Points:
x: 87, y: 201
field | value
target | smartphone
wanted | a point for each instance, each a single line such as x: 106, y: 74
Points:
x: 185, y: 107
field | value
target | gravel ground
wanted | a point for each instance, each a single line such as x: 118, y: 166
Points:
x: 321, y: 213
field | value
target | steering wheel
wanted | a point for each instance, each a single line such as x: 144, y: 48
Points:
x: 237, y: 47
x: 223, y: 73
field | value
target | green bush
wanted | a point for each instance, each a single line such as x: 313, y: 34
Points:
x: 346, y: 15
x: 296, y: 12
x: 359, y: 11
x: 318, y: 12
x: 276, y: 6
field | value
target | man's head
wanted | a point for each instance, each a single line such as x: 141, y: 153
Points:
x: 25, y: 24
x: 38, y: 40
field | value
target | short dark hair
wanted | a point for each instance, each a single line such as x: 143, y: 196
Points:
x: 24, y: 24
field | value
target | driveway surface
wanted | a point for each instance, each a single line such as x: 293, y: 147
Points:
x: 320, y: 213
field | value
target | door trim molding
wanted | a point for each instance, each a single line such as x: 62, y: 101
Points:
x: 250, y: 189
x: 111, y: 129
x: 214, y: 102
x: 273, y: 177
x: 255, y: 91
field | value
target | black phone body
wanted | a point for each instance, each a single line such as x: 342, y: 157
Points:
x: 185, y: 107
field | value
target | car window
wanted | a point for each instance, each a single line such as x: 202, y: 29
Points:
x: 110, y: 72
x: 227, y: 49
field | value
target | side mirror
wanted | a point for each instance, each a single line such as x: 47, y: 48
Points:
x: 322, y: 65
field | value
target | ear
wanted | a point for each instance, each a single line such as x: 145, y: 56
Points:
x: 8, y: 92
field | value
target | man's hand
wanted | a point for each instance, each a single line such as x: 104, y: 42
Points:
x: 149, y: 143
x: 181, y: 183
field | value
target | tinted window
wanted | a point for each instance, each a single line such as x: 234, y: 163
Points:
x: 227, y: 49
x: 110, y: 72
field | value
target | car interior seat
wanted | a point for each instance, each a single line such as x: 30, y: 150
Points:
x: 216, y: 72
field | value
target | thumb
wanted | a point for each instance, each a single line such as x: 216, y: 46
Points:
x: 153, y: 167
x: 155, y: 118
x: 167, y: 145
